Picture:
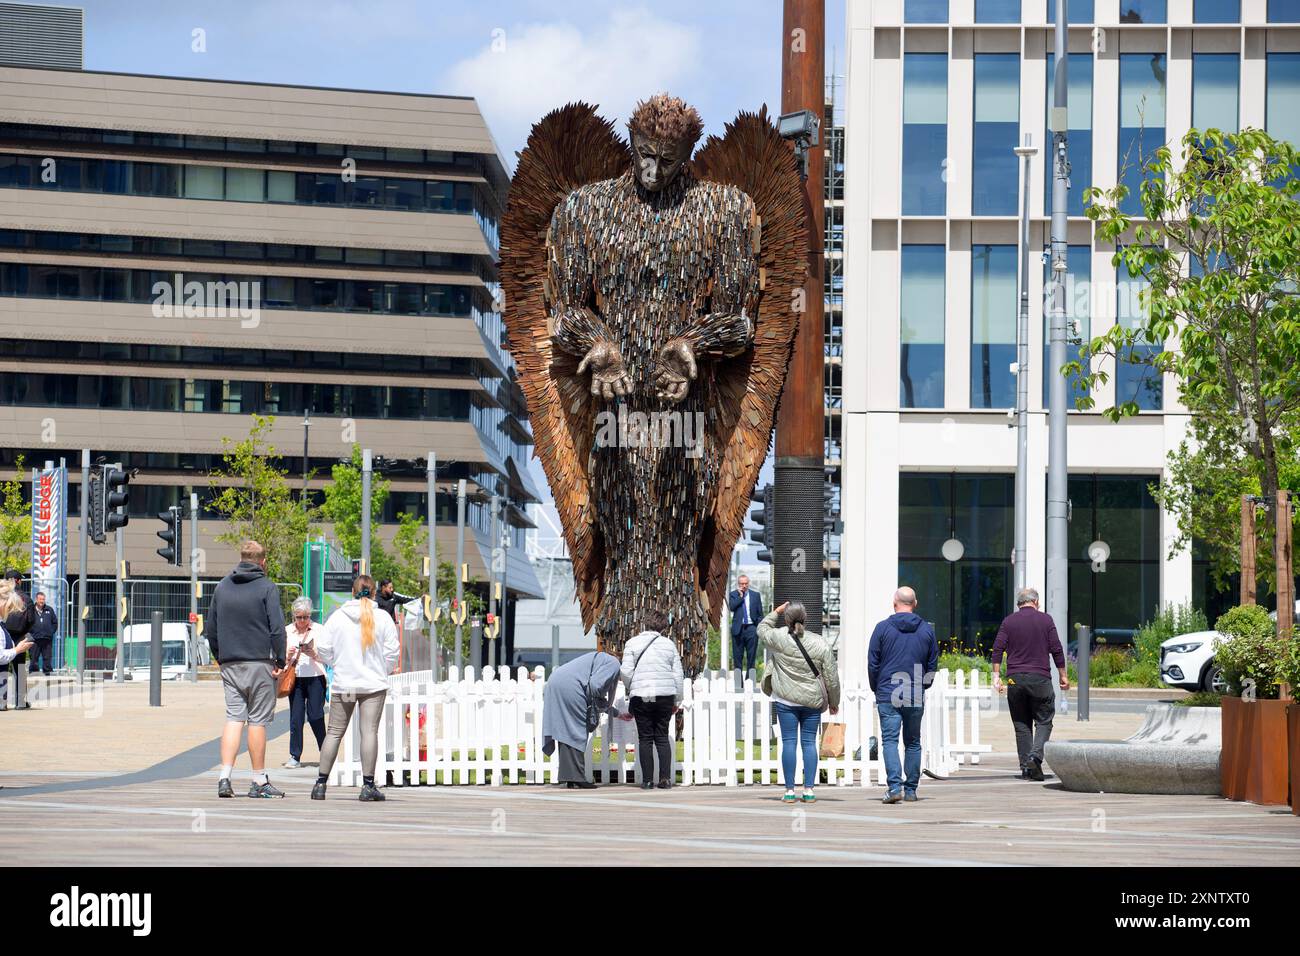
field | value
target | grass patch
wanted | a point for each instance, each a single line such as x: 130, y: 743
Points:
x: 1202, y: 698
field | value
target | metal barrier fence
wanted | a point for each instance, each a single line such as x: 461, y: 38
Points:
x: 143, y: 597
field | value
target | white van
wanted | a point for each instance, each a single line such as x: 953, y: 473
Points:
x: 175, y: 650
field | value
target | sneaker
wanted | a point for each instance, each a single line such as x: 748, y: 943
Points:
x: 910, y: 797
x: 894, y: 797
x: 371, y: 794
x: 809, y: 797
x: 291, y: 764
x: 224, y: 789
x: 665, y: 784
x: 1035, y: 770
x: 789, y: 797
x: 265, y: 791
x: 647, y: 785
x: 318, y: 791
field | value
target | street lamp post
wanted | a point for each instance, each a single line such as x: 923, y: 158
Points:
x: 1026, y: 153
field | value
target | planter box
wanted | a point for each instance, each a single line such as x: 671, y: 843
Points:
x: 1254, y: 765
x: 1293, y: 733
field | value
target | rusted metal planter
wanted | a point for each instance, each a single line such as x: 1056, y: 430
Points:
x: 1293, y: 735
x: 1254, y: 764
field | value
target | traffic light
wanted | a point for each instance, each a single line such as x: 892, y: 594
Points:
x: 171, y: 535
x: 96, y: 495
x: 762, y: 516
x: 116, y: 497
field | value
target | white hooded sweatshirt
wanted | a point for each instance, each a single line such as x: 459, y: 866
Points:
x: 358, y: 670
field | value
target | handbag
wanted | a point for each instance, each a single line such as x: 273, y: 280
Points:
x: 286, y: 681
x: 595, y: 707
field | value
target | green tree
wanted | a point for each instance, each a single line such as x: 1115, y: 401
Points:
x: 1218, y: 244
x: 342, y: 508
x: 253, y: 494
x: 15, y: 522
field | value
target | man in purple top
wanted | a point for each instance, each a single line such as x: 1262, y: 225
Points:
x: 1029, y: 639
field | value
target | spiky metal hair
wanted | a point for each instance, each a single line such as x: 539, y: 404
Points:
x: 664, y: 117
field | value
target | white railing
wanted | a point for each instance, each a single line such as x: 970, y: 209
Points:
x: 489, y: 731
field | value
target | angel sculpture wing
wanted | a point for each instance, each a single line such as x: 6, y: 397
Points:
x: 572, y: 147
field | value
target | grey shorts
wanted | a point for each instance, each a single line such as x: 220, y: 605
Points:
x: 250, y: 691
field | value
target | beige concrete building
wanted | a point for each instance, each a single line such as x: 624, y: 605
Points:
x: 357, y: 232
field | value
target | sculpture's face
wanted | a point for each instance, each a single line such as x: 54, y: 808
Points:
x: 658, y: 162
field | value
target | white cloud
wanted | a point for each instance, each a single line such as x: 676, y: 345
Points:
x: 544, y: 65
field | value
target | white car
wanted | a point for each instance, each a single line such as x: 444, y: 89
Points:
x: 1188, y: 660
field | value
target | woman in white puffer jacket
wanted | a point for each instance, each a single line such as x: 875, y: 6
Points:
x: 652, y: 674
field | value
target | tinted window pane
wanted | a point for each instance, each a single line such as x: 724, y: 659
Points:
x: 997, y: 11
x: 925, y: 11
x: 997, y: 118
x: 203, y: 182
x: 1079, y: 120
x: 1142, y: 11
x: 993, y: 325
x: 1284, y: 11
x: 280, y: 186
x: 1135, y: 379
x: 925, y: 133
x: 1078, y: 298
x: 1217, y: 11
x: 921, y: 322
x: 1215, y: 82
x: 1076, y: 11
x: 924, y: 514
x: 1282, y: 118
x: 1142, y: 79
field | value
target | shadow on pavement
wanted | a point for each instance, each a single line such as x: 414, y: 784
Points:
x: 189, y: 763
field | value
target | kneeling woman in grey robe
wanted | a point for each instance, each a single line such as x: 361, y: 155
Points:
x: 564, y: 711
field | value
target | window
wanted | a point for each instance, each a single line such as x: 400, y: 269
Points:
x: 280, y: 186
x: 1119, y: 510
x: 993, y: 311
x: 997, y: 11
x: 1282, y: 115
x: 1141, y: 120
x: 1217, y: 11
x: 925, y: 133
x: 1078, y: 292
x: 1142, y: 11
x: 1215, y: 81
x: 921, y: 321
x: 1284, y: 11
x: 925, y: 11
x: 966, y: 599
x: 1079, y: 123
x: 995, y: 175
x: 1076, y: 11
x: 203, y: 182
x: 1135, y: 379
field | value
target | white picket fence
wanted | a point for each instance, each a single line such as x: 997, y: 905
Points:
x: 488, y: 731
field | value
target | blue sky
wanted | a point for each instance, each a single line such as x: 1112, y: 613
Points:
x: 518, y: 58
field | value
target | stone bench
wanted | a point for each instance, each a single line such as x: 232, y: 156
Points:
x: 1176, y: 750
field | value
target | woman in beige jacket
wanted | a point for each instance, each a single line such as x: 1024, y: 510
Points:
x: 805, y: 681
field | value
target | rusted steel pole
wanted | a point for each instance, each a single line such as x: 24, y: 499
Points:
x: 1248, y: 543
x: 798, y: 528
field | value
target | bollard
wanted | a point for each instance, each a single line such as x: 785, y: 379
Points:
x: 1084, y: 658
x: 155, y: 659
x: 476, y: 644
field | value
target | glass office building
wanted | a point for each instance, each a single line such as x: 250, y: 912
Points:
x: 932, y: 290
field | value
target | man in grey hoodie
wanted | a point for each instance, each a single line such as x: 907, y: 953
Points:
x: 245, y: 631
x: 901, y: 663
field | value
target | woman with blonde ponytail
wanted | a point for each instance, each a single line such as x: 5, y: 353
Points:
x: 363, y: 649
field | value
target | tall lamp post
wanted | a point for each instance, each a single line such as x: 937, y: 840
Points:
x: 1026, y: 153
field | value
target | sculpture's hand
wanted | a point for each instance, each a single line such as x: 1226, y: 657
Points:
x: 674, y: 370
x: 608, y: 374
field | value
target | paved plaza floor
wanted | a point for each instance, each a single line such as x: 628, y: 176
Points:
x: 136, y: 785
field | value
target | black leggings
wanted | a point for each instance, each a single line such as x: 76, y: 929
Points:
x: 652, y: 718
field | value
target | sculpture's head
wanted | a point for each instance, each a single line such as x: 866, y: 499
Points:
x: 664, y: 131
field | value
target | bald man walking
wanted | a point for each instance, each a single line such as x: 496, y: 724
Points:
x: 901, y: 663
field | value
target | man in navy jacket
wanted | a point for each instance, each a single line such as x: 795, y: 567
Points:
x: 746, y: 611
x: 901, y: 663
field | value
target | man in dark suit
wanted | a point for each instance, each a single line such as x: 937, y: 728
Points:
x: 746, y: 611
x: 1029, y: 638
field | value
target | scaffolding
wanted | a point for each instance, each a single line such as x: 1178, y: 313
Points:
x: 833, y: 140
